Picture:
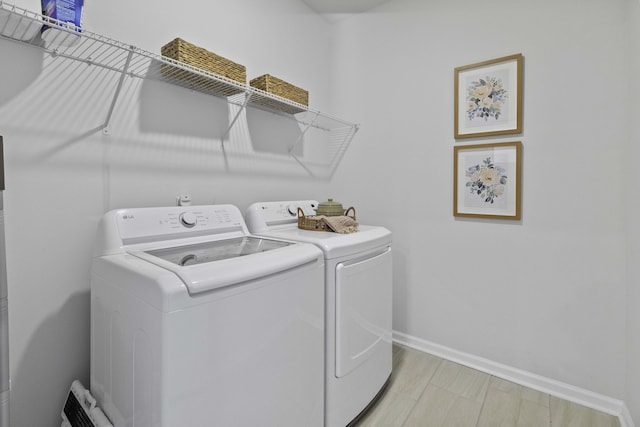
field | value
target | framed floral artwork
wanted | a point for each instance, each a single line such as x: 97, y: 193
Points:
x: 487, y: 180
x: 488, y: 98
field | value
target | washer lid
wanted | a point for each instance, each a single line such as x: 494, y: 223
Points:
x: 201, y: 253
x: 210, y: 265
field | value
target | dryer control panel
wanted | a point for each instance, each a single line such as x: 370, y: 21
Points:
x: 267, y: 214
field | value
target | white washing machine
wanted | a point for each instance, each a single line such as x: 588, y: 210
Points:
x: 358, y: 286
x: 194, y: 322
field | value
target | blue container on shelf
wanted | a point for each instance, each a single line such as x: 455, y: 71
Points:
x: 68, y: 13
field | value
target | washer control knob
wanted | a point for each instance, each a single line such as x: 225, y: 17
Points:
x: 293, y: 209
x: 188, y: 219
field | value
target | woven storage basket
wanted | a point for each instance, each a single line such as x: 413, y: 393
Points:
x: 275, y: 86
x: 317, y: 224
x: 201, y: 58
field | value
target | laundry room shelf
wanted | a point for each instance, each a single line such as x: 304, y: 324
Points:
x: 23, y: 26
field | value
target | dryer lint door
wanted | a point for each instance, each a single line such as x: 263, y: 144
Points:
x: 363, y: 310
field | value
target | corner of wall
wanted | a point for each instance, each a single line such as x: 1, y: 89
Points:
x: 633, y: 229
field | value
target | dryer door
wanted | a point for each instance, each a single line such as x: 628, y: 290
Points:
x: 363, y: 310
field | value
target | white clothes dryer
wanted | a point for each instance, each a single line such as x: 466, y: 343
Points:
x: 358, y: 287
x: 195, y: 322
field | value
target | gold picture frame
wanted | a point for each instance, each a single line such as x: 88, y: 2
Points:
x: 488, y: 98
x: 487, y: 180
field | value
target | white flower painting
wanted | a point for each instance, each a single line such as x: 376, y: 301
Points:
x: 485, y: 99
x: 487, y: 180
x: 488, y: 98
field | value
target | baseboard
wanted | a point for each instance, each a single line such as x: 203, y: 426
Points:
x: 546, y: 385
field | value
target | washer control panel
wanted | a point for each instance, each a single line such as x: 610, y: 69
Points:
x: 148, y: 224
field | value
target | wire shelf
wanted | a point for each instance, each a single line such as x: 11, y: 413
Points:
x: 60, y: 39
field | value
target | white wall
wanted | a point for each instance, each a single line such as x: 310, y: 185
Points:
x: 633, y: 297
x: 62, y: 173
x: 546, y: 294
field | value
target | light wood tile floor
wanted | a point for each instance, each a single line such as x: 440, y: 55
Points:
x: 427, y: 391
